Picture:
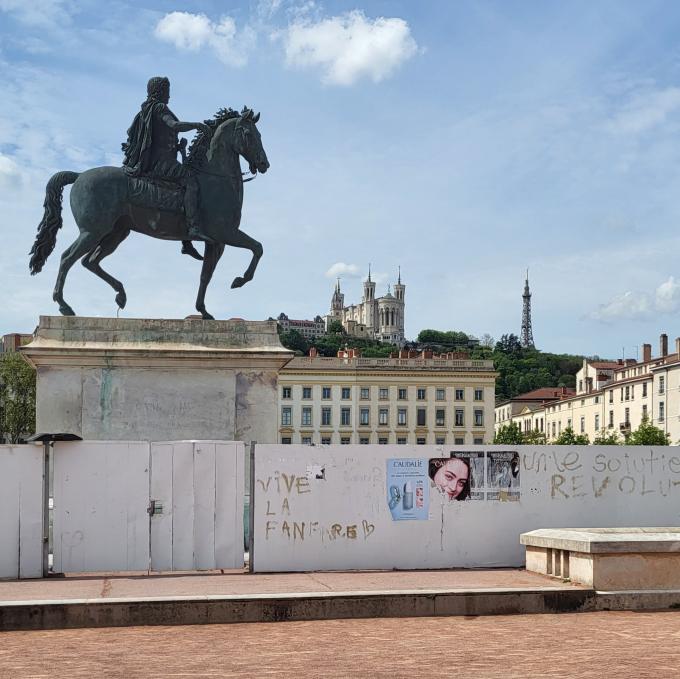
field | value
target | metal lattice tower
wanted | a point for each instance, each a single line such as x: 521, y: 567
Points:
x: 526, y: 337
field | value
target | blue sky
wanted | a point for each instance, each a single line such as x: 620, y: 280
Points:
x: 463, y: 141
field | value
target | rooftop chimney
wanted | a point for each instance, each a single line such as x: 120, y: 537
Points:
x: 646, y: 353
x: 663, y: 342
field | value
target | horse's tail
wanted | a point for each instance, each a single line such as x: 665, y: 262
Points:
x: 51, y: 221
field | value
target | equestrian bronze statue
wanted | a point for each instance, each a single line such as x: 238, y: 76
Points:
x: 199, y: 199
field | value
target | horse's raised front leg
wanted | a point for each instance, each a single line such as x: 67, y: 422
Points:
x: 106, y: 246
x: 69, y: 257
x: 212, y: 255
x: 238, y: 239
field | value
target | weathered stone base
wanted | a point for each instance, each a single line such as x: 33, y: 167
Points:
x: 608, y: 559
x: 136, y: 379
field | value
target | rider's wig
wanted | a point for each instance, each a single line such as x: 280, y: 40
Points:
x: 156, y: 86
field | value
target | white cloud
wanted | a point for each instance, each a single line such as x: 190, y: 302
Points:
x: 340, y: 269
x: 628, y: 305
x: 646, y: 110
x: 637, y: 304
x: 667, y: 296
x: 41, y: 13
x: 349, y: 47
x: 10, y: 175
x: 193, y: 32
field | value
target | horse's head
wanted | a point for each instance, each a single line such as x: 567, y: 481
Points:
x: 243, y: 137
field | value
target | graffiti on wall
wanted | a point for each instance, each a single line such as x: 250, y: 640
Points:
x: 283, y: 517
x: 577, y: 474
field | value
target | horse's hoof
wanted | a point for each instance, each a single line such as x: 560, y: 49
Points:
x: 238, y: 282
x: 121, y: 300
x: 65, y: 310
x: 207, y: 316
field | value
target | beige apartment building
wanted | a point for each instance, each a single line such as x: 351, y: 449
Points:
x: 413, y: 399
x: 612, y: 396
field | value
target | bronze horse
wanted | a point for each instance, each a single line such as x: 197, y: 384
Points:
x: 105, y: 214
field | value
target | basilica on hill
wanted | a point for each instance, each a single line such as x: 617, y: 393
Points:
x: 380, y: 318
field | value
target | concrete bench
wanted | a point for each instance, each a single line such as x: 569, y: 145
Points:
x: 607, y: 558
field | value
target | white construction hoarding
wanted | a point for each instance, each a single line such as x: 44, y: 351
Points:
x: 409, y: 507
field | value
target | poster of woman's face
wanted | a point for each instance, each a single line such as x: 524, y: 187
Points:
x: 451, y: 476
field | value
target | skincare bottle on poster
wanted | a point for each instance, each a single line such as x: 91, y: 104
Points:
x: 408, y: 495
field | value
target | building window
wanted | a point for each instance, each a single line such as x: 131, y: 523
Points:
x: 382, y: 440
x: 583, y: 424
x: 479, y: 442
x: 325, y: 440
x: 364, y: 416
x: 325, y: 417
x: 306, y: 420
x: 479, y: 418
x: 440, y: 394
x: 621, y: 394
x: 459, y: 441
x: 383, y: 393
x: 306, y: 392
x: 344, y: 440
x: 627, y: 416
x: 662, y: 384
x: 421, y: 393
x: 662, y: 407
x: 597, y: 400
x: 401, y: 440
x: 611, y: 419
x: 345, y: 417
x: 597, y: 422
x: 306, y: 440
x: 459, y: 420
x: 286, y: 440
x: 580, y: 385
x: 440, y: 440
x: 286, y: 392
x: 325, y: 393
x: 611, y: 396
x: 553, y: 429
x: 479, y: 394
x: 460, y: 394
x: 421, y: 417
x: 401, y: 417
x: 440, y: 417
x: 346, y: 393
x: 363, y: 440
x: 383, y: 416
x: 632, y: 392
x: 365, y: 393
x: 644, y: 412
x: 644, y: 390
x: 286, y: 416
x: 420, y: 441
x: 569, y: 423
x: 627, y: 393
x: 401, y: 393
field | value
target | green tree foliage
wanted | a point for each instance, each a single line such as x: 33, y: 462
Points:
x: 449, y: 338
x: 336, y: 328
x: 534, y: 437
x: 647, y: 435
x: 17, y: 397
x: 295, y: 341
x: 569, y: 438
x: 607, y: 438
x: 510, y: 434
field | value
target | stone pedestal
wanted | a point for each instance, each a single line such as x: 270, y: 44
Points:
x: 137, y: 379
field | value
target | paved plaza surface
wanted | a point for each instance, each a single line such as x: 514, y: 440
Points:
x: 584, y: 645
x: 88, y: 586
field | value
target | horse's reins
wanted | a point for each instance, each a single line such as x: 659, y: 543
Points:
x: 225, y: 176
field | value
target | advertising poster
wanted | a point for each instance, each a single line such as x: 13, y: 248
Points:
x: 408, y: 489
x: 502, y: 475
x: 475, y: 462
x: 459, y: 476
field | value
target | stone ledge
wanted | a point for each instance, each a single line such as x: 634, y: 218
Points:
x: 605, y: 540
